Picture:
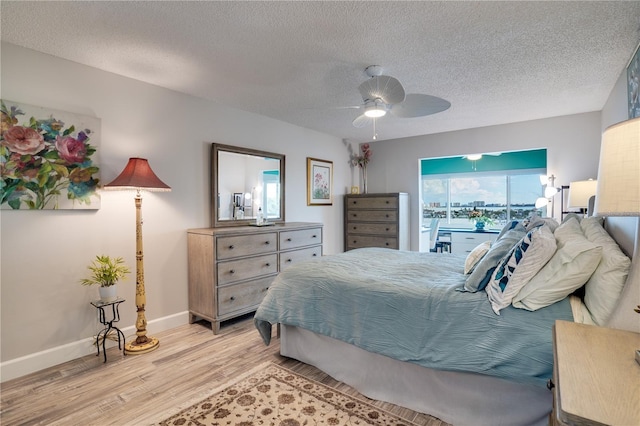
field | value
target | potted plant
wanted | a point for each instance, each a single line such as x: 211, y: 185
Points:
x: 106, y: 272
x: 480, y: 219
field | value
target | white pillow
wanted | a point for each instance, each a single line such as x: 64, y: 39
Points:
x: 604, y: 288
x: 519, y: 265
x: 474, y: 257
x: 570, y: 267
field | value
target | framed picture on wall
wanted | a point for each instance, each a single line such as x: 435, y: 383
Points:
x: 633, y: 84
x: 319, y: 182
x: 49, y: 158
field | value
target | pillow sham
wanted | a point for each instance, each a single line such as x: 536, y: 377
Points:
x: 481, y: 274
x: 509, y: 226
x: 474, y: 257
x: 539, y: 221
x: 568, y: 269
x: 519, y: 265
x: 604, y: 287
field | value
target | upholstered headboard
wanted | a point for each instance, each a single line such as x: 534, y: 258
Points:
x: 626, y: 232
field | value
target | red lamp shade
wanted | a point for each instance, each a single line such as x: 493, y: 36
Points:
x: 138, y: 175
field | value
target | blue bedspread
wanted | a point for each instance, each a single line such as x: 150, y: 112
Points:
x: 405, y: 305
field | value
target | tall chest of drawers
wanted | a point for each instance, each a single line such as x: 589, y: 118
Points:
x: 376, y: 220
x: 231, y: 269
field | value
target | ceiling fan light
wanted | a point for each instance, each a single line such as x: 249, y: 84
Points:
x: 375, y: 112
x: 474, y: 157
x: 375, y: 108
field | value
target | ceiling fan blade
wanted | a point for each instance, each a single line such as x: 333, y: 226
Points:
x: 387, y: 88
x: 419, y: 105
x: 361, y: 121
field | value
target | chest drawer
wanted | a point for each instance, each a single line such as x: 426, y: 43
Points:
x: 465, y: 242
x: 373, y: 203
x: 385, y: 229
x: 303, y: 237
x: 292, y: 257
x: 243, y: 296
x: 372, y: 215
x: 244, y: 269
x: 245, y: 245
x: 360, y: 241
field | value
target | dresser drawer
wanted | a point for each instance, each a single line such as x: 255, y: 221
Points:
x: 244, y: 269
x: 372, y: 215
x: 246, y: 245
x: 373, y: 203
x: 292, y: 257
x: 303, y: 237
x: 360, y: 241
x: 242, y: 296
x: 465, y: 242
x: 383, y: 229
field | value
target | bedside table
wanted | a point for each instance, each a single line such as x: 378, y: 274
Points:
x: 596, y: 376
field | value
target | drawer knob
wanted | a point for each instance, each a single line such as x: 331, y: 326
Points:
x: 265, y: 289
x: 314, y: 236
x: 231, y: 247
x: 289, y: 239
x: 355, y: 215
x: 266, y: 242
x: 267, y: 264
x: 386, y: 229
x: 387, y: 201
x: 386, y: 244
x: 387, y: 215
x: 232, y: 271
x: 315, y: 254
x: 232, y: 298
x: 355, y: 202
x: 288, y: 260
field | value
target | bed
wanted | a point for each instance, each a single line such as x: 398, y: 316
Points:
x: 408, y: 328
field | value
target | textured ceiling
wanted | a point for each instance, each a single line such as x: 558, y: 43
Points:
x: 496, y: 62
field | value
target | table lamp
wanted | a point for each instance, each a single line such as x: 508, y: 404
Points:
x: 618, y: 189
x: 138, y: 175
x: 580, y: 192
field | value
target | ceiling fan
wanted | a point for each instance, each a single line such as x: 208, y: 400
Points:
x: 382, y: 94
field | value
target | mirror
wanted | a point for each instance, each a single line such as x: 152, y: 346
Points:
x: 244, y: 183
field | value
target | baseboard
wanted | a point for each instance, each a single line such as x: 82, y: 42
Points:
x: 31, y: 363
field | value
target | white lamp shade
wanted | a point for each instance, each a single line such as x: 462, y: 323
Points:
x: 618, y: 189
x: 580, y: 192
x: 550, y: 191
x: 541, y: 202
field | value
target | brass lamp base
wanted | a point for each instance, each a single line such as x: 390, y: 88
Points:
x: 133, y: 348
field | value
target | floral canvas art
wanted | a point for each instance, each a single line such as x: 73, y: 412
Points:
x: 48, y: 158
x: 319, y: 185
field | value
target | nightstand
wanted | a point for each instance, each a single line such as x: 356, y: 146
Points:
x: 596, y: 377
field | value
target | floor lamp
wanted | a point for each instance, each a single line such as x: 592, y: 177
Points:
x: 138, y: 175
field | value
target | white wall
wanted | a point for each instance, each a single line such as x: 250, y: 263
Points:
x: 572, y: 142
x: 45, y: 253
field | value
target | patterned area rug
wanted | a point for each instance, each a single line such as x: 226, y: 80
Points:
x: 274, y: 395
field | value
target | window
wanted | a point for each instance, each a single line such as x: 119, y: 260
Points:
x: 451, y: 188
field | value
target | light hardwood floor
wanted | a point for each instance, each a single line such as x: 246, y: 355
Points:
x: 190, y: 364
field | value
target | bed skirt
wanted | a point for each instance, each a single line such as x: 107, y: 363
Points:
x: 454, y: 397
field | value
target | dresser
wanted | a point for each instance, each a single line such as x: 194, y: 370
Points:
x: 231, y: 269
x: 463, y: 242
x: 596, y: 379
x: 376, y: 220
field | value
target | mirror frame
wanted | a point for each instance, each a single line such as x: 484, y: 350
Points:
x: 216, y: 148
